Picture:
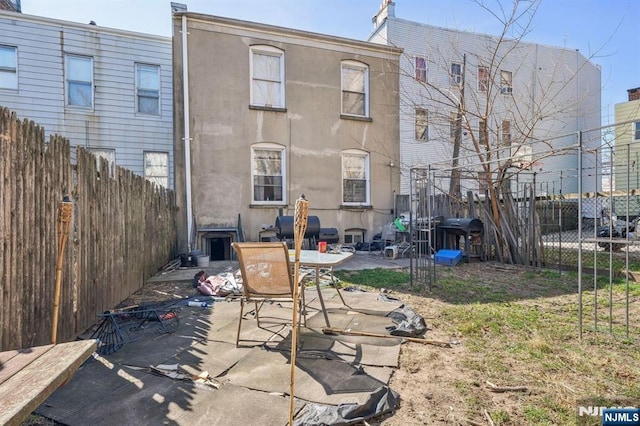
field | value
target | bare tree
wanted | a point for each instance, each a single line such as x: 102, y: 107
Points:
x: 499, y: 128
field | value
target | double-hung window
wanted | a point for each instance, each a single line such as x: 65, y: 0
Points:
x: 420, y: 68
x: 355, y: 88
x: 268, y: 173
x: 506, y: 87
x: 156, y: 167
x: 506, y: 133
x: 422, y: 124
x: 8, y: 67
x: 148, y: 89
x: 267, y: 77
x: 636, y: 131
x: 355, y: 177
x: 483, y: 79
x: 79, y: 81
x: 456, y: 74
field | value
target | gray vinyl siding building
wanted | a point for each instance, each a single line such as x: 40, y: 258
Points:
x: 555, y: 90
x: 121, y: 100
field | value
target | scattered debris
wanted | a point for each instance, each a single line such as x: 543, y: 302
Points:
x: 494, y: 388
x: 332, y: 330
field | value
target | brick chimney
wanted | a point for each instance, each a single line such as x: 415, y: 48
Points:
x: 387, y: 8
x: 634, y: 94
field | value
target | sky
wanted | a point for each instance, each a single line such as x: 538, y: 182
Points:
x: 603, y: 30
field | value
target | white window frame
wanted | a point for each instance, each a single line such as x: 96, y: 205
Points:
x: 505, y: 128
x: 636, y: 130
x: 255, y: 173
x: 349, y: 88
x: 483, y: 79
x: 146, y: 90
x: 420, y: 68
x: 455, y: 72
x: 506, y: 82
x: 9, y: 67
x: 421, y: 124
x: 156, y: 167
x: 72, y: 80
x: 257, y: 80
x: 360, y: 155
x: 353, y: 236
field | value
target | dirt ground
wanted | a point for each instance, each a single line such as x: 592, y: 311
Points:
x: 494, y: 372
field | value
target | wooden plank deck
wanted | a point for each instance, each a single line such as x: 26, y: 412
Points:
x: 29, y: 376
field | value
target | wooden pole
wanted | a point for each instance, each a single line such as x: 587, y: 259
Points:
x: 331, y: 330
x: 65, y: 212
x: 300, y: 227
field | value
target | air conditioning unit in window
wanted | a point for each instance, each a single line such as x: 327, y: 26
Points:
x: 506, y: 90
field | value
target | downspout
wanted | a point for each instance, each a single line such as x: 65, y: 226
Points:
x: 187, y: 135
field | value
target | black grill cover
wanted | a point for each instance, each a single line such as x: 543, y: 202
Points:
x: 284, y: 227
x: 330, y: 235
x: 463, y: 225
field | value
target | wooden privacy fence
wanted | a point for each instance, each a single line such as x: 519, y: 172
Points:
x: 121, y: 233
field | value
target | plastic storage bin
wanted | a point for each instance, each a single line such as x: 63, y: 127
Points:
x: 448, y: 257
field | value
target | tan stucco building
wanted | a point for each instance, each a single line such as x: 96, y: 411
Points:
x: 269, y: 113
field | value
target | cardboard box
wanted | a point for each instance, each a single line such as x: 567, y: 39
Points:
x: 448, y: 257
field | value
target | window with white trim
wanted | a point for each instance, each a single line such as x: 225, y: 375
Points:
x: 268, y: 173
x: 148, y: 89
x: 456, y: 74
x: 79, y: 81
x: 506, y: 133
x: 156, y: 167
x: 636, y: 131
x: 267, y: 77
x: 8, y: 67
x: 355, y: 88
x: 422, y: 124
x: 483, y: 79
x: 420, y: 66
x: 354, y: 235
x: 355, y: 177
x: 506, y: 87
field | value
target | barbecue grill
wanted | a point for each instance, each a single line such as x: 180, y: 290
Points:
x: 284, y: 227
x: 452, y: 228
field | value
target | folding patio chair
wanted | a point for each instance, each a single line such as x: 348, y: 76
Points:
x: 267, y: 276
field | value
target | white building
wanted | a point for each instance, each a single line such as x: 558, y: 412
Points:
x: 539, y: 98
x: 107, y: 90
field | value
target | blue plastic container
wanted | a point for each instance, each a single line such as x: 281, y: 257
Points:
x: 448, y: 257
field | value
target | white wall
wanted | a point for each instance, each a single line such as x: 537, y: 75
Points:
x: 544, y: 80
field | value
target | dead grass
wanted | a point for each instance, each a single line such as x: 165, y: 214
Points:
x: 517, y: 328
